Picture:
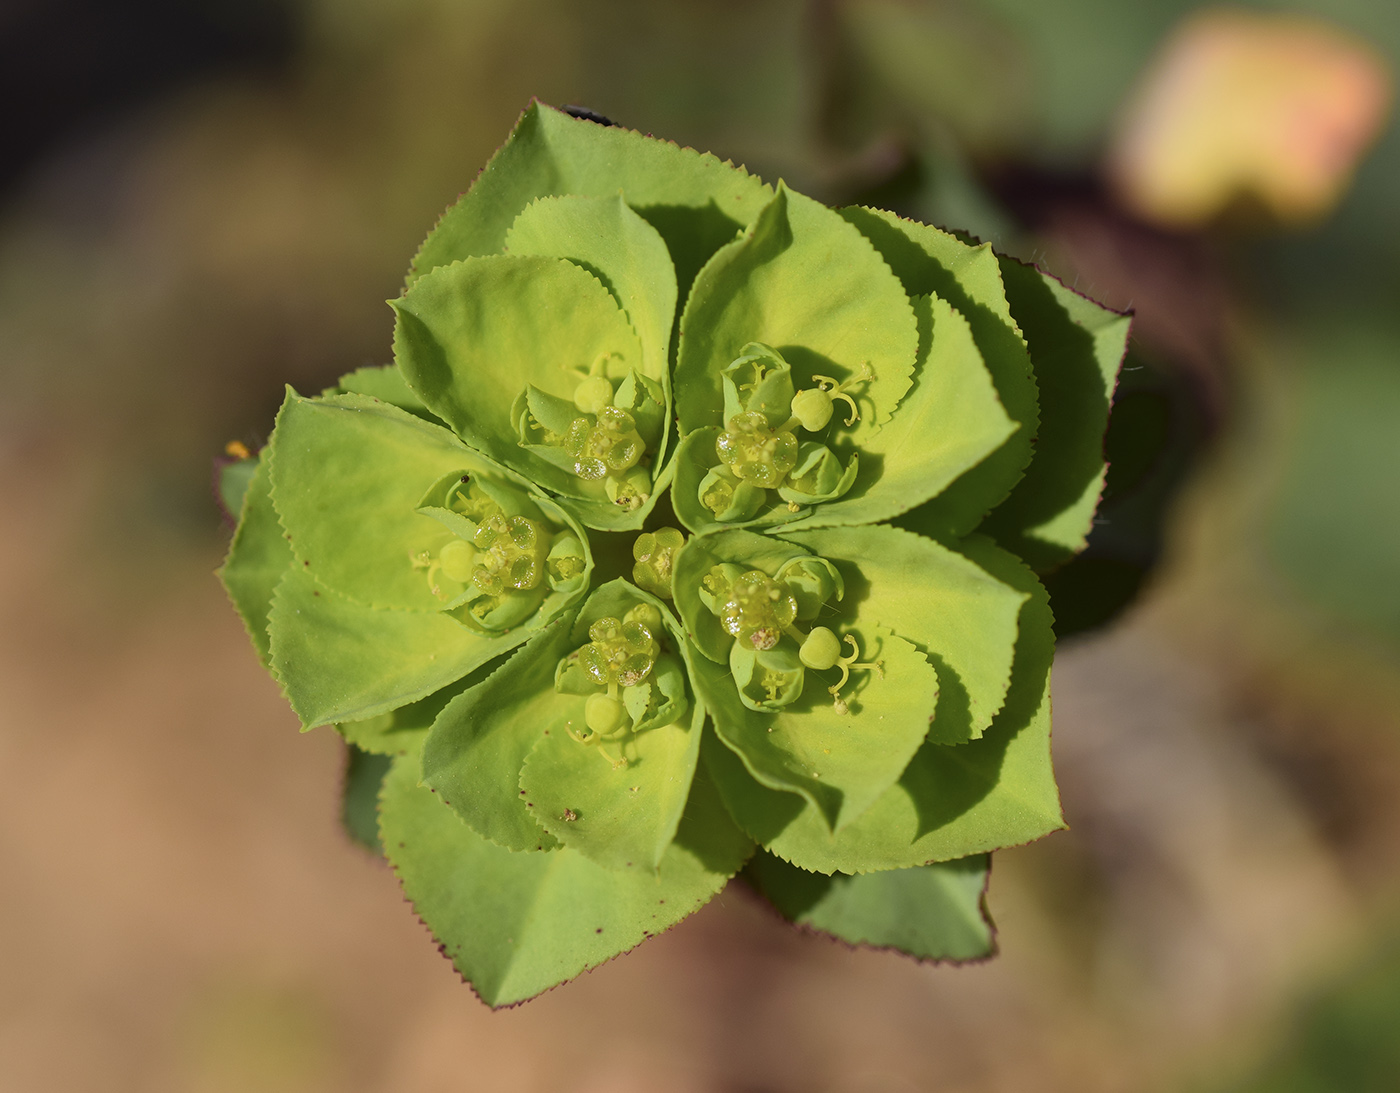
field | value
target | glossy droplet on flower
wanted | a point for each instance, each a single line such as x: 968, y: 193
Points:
x: 610, y: 446
x: 757, y: 609
x: 512, y: 551
x: 654, y: 552
x: 618, y: 652
x: 755, y: 451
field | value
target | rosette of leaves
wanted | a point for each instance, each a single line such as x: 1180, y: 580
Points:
x: 577, y: 722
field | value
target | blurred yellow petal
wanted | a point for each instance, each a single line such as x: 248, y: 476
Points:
x: 1242, y: 105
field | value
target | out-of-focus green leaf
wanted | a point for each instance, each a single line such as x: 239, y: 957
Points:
x: 364, y: 774
x: 234, y: 477
x: 257, y: 558
x: 1076, y: 347
x: 932, y: 912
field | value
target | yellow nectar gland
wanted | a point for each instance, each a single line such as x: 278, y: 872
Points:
x: 757, y: 610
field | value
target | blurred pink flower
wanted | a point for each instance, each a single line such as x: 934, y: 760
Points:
x: 1277, y: 108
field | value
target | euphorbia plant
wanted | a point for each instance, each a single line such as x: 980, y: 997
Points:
x: 694, y: 530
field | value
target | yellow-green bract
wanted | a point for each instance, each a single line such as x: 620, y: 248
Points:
x: 834, y: 675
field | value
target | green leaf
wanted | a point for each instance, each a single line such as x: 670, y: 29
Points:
x: 404, y: 729
x: 233, y: 479
x: 619, y: 817
x: 696, y: 202
x: 338, y: 660
x: 471, y: 337
x: 951, y: 801
x: 386, y: 383
x: 1077, y: 347
x: 948, y: 423
x: 805, y: 282
x: 959, y: 608
x: 518, y: 719
x: 479, y: 743
x: 257, y: 558
x: 347, y: 473
x: 359, y: 812
x: 933, y: 262
x: 839, y: 763
x: 618, y: 247
x: 932, y: 912
x: 695, y: 559
x: 516, y: 924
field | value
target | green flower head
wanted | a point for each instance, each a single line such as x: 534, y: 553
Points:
x: 833, y: 675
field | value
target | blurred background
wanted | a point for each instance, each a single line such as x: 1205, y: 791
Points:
x: 203, y: 200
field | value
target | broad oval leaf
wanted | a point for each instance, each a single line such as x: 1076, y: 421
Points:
x: 257, y: 558
x: 951, y: 801
x: 516, y: 924
x: 929, y: 912
x: 807, y: 283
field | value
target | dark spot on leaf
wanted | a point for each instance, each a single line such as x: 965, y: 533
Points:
x: 466, y: 477
x: 305, y: 563
x: 599, y: 930
x: 401, y: 846
x: 522, y: 793
x: 583, y: 113
x: 314, y: 592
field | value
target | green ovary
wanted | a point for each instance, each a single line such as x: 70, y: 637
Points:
x: 755, y: 451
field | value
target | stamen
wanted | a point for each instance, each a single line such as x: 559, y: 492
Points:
x: 846, y: 664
